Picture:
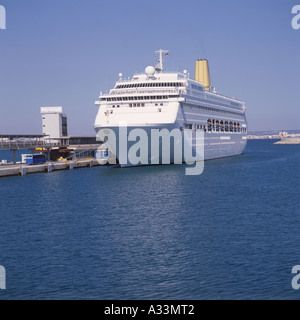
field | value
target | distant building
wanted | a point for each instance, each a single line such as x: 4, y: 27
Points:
x: 83, y: 140
x: 55, y: 124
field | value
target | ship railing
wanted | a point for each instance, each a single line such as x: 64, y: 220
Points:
x: 225, y: 97
x: 118, y: 92
x: 137, y: 76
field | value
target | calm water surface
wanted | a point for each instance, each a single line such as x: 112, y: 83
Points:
x: 154, y: 233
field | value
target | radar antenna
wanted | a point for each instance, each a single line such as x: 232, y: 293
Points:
x: 160, y: 67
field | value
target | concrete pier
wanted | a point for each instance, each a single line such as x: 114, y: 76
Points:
x: 289, y: 140
x: 23, y: 169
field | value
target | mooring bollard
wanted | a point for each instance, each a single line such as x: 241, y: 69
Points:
x: 22, y: 171
x: 49, y: 168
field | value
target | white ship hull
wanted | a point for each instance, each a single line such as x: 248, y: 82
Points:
x: 216, y: 144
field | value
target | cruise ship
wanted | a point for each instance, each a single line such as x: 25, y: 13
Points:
x: 157, y: 99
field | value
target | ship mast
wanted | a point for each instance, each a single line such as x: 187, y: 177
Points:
x: 160, y: 67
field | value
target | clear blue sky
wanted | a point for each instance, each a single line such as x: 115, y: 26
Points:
x: 64, y: 52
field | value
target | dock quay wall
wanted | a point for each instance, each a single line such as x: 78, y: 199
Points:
x: 22, y: 170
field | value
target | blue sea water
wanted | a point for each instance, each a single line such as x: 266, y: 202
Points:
x: 155, y: 233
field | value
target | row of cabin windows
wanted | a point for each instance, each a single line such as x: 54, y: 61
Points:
x: 224, y: 126
x: 152, y: 84
x: 211, y: 110
x: 197, y: 87
x: 217, y: 126
x: 136, y: 105
x: 140, y: 98
x: 131, y: 105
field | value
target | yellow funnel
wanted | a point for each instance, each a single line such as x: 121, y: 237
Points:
x: 202, y: 73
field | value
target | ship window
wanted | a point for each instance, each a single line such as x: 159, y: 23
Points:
x: 209, y: 126
x: 188, y: 126
x: 222, y: 126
